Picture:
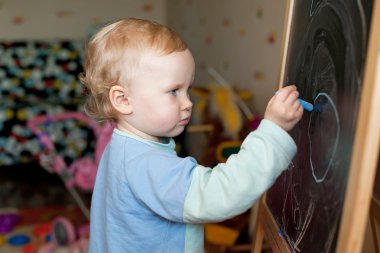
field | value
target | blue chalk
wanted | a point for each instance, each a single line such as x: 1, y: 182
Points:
x: 306, y: 105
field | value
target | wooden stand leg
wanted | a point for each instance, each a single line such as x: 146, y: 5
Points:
x: 257, y: 242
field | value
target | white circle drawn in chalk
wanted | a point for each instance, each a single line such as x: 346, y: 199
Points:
x: 317, y: 178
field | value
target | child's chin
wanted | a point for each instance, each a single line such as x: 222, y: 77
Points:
x: 177, y: 132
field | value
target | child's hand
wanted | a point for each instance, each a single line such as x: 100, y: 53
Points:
x: 284, y: 109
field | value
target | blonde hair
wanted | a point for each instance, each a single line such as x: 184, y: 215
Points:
x: 114, y: 52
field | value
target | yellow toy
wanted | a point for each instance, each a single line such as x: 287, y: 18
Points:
x: 223, y: 105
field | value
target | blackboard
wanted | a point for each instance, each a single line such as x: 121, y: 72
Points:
x: 326, y: 55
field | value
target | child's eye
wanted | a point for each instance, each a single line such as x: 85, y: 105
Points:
x: 174, y: 92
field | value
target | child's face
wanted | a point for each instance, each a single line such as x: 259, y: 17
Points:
x: 159, y: 95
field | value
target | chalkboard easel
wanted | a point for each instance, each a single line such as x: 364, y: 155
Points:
x: 363, y: 155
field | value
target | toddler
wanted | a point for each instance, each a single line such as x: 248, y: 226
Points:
x: 147, y: 199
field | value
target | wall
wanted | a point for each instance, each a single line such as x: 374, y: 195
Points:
x: 239, y: 39
x: 69, y: 19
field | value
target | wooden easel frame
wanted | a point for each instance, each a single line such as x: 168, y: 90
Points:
x: 266, y: 226
x: 364, y: 155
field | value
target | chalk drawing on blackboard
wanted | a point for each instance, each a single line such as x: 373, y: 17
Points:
x: 319, y: 170
x: 300, y: 219
x: 303, y: 224
x: 318, y: 4
x: 363, y: 21
x: 325, y: 57
x: 315, y: 4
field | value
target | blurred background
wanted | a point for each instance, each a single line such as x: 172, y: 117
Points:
x: 41, y: 54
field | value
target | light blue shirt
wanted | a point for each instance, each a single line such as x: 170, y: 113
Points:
x: 147, y: 199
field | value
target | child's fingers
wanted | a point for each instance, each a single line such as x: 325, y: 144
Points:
x: 297, y: 107
x: 290, y: 88
x: 283, y: 93
x: 292, y: 98
x: 299, y: 111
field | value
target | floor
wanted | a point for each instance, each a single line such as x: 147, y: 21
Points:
x: 38, y: 197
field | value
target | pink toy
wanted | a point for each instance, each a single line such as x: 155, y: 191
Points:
x: 80, y: 173
x: 64, y: 235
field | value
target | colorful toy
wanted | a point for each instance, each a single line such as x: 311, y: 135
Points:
x: 80, y: 173
x: 64, y: 236
x: 237, y: 99
x: 19, y: 240
x: 2, y: 240
x: 222, y: 117
x: 42, y: 232
x: 63, y: 232
x: 225, y: 107
x: 8, y: 221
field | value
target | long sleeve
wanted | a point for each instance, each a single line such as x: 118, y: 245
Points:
x: 231, y: 188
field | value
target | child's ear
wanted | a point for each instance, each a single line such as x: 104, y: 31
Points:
x: 119, y: 99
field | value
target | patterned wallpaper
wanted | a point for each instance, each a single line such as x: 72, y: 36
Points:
x: 69, y: 19
x: 240, y: 39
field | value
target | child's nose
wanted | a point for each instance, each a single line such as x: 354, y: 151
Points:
x: 187, y: 104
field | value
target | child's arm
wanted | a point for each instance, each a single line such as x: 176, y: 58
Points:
x: 231, y: 188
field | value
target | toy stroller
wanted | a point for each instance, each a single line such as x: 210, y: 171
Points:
x: 81, y: 172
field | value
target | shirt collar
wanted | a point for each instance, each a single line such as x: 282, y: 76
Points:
x: 169, y: 144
